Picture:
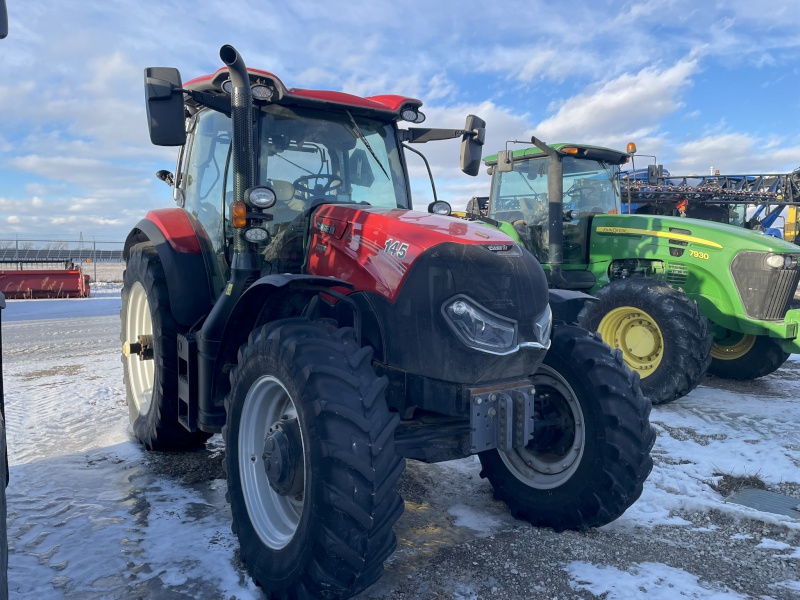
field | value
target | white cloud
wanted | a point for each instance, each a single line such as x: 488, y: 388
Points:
x: 628, y: 106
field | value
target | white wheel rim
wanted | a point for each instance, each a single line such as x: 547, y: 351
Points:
x: 550, y: 471
x: 141, y: 373
x: 274, y: 518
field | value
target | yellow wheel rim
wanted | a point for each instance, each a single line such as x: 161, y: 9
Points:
x: 733, y: 351
x: 637, y: 335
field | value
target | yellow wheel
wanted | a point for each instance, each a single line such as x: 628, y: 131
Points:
x: 743, y: 356
x: 658, y: 330
x: 637, y: 335
x: 732, y: 351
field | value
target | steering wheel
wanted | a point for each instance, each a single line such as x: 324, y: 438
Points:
x: 322, y: 186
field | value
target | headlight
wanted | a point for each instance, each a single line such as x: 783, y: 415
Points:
x: 256, y: 235
x: 774, y: 261
x: 478, y: 328
x: 260, y: 196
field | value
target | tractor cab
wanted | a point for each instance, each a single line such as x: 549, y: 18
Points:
x: 523, y: 192
x: 306, y: 157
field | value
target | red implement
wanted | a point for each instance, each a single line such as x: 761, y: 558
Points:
x: 44, y: 283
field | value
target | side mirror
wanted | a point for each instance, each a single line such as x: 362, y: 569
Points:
x: 440, y: 207
x: 505, y: 161
x: 166, y: 177
x: 360, y: 170
x: 472, y: 145
x: 162, y: 87
x: 3, y: 20
x: 654, y: 173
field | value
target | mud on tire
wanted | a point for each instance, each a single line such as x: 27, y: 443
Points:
x: 674, y: 349
x: 317, y: 522
x: 590, y: 452
x: 151, y: 386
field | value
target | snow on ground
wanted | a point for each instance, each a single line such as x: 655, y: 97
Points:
x: 92, y: 515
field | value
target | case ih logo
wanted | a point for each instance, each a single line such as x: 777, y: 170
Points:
x: 327, y: 228
x: 499, y: 247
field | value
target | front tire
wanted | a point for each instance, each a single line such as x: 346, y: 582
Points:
x: 312, y: 470
x: 660, y: 332
x: 151, y: 385
x: 590, y: 452
x: 745, y: 356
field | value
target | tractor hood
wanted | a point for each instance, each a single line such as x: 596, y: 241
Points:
x: 694, y: 232
x: 375, y: 248
x: 410, y: 267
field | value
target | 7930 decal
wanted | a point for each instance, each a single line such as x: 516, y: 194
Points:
x: 395, y: 248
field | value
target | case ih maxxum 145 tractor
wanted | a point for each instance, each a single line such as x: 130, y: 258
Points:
x: 297, y: 304
x: 676, y: 295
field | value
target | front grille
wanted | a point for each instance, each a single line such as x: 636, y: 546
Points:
x: 765, y: 293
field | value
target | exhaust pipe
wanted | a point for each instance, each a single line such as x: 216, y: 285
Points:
x: 242, y: 126
x: 555, y: 193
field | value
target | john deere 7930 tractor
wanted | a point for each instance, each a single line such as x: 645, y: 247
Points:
x: 294, y: 302
x: 676, y: 295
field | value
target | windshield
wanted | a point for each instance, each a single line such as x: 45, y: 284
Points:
x: 309, y: 158
x: 589, y: 187
x: 520, y: 197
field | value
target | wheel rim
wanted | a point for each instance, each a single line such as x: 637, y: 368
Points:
x: 274, y: 518
x: 733, y: 347
x: 637, y: 335
x: 141, y: 373
x: 555, y: 452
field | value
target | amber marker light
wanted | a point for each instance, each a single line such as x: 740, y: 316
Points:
x: 239, y: 214
x: 569, y: 150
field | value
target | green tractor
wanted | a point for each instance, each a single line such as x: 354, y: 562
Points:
x: 678, y: 296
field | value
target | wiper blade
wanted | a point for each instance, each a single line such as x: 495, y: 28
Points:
x: 357, y: 131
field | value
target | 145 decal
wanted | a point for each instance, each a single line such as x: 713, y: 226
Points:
x: 395, y: 248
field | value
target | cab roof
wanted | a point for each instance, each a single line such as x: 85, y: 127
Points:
x: 386, y: 105
x: 583, y: 151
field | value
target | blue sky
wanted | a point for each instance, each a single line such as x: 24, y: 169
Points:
x: 698, y: 84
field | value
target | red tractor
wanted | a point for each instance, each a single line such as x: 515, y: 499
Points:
x: 295, y: 302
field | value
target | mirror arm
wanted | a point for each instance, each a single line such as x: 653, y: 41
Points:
x: 420, y: 135
x: 217, y: 103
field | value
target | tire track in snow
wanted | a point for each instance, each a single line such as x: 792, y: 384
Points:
x: 50, y: 385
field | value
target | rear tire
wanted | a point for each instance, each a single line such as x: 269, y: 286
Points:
x: 151, y: 386
x: 746, y: 356
x: 590, y: 453
x: 661, y: 334
x: 312, y: 470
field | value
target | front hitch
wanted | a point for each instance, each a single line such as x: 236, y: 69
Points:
x: 501, y: 416
x: 143, y: 347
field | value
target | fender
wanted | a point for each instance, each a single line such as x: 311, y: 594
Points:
x: 269, y: 298
x: 566, y: 304
x: 170, y: 231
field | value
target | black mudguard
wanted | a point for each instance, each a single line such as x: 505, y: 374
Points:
x: 566, y: 304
